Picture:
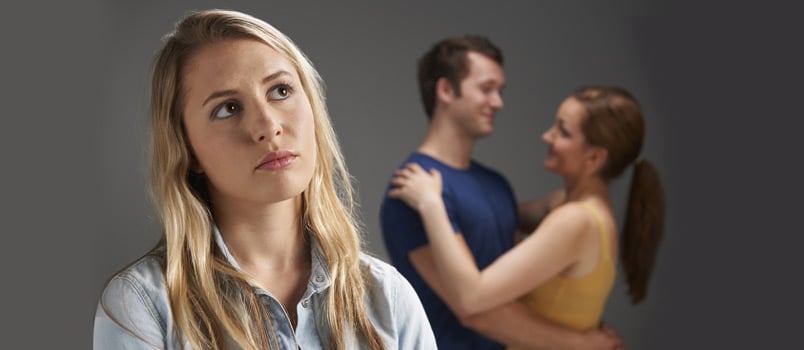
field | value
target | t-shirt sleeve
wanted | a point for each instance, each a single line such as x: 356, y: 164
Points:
x: 403, y: 227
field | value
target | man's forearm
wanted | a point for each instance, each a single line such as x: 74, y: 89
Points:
x: 532, y: 212
x: 515, y: 325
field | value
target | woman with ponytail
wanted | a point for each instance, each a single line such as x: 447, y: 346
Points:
x: 261, y: 247
x: 565, y: 269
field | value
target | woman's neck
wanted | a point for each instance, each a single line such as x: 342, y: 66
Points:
x: 581, y: 189
x: 265, y: 236
x: 268, y: 243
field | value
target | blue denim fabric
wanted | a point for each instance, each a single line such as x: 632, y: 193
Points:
x: 134, y: 312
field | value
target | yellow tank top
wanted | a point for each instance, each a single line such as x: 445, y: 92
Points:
x: 577, y: 303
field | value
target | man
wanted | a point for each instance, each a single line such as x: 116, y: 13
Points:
x: 461, y: 80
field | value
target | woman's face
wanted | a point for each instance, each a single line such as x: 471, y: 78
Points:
x: 567, y: 151
x: 249, y: 123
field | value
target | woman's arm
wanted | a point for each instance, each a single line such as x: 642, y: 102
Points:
x: 126, y: 318
x: 549, y: 251
x: 414, y: 330
x: 512, y: 323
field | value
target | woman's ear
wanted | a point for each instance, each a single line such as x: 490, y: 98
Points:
x: 597, y: 158
x: 195, y: 165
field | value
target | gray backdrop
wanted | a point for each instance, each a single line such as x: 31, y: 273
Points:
x: 718, y: 94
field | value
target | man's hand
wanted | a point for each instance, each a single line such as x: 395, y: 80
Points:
x: 603, y: 338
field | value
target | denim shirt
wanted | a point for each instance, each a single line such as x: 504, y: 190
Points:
x: 134, y: 312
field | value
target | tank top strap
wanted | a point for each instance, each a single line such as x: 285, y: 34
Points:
x: 604, y: 239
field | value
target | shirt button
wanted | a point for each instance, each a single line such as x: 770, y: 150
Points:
x: 305, y: 303
x: 319, y: 278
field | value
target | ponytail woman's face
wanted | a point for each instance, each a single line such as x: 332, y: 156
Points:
x: 567, y: 152
x: 249, y: 123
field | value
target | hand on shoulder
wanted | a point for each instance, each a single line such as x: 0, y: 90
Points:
x: 418, y: 188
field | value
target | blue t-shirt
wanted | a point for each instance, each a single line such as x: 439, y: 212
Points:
x: 482, y: 207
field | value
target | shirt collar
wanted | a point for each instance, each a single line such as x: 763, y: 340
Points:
x: 319, y: 275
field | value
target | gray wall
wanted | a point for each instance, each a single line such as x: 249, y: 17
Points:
x: 718, y: 97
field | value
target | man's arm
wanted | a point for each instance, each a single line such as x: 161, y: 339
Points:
x: 532, y: 212
x: 513, y: 323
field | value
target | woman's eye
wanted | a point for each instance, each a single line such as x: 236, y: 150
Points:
x: 226, y: 110
x: 280, y: 92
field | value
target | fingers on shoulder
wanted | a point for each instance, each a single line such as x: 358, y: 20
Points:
x: 414, y: 167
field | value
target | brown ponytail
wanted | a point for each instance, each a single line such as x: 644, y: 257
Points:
x: 644, y: 226
x: 614, y: 121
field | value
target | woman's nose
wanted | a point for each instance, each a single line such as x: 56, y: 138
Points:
x: 547, y: 136
x: 265, y: 124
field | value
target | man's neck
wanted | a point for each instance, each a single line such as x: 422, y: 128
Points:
x: 447, y: 144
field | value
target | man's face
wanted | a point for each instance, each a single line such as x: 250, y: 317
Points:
x: 480, y: 98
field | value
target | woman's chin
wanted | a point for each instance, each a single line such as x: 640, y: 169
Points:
x: 549, y: 166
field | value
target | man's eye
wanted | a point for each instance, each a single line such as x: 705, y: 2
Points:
x: 226, y: 110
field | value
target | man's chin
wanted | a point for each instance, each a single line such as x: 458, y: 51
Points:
x: 485, y: 133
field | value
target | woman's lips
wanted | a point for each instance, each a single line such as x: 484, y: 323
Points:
x: 277, y: 160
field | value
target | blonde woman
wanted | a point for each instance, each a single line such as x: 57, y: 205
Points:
x: 261, y: 247
x: 564, y: 271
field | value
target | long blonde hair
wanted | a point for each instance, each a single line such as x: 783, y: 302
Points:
x: 210, y: 300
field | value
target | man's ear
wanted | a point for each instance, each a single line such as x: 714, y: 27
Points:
x: 444, y: 90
